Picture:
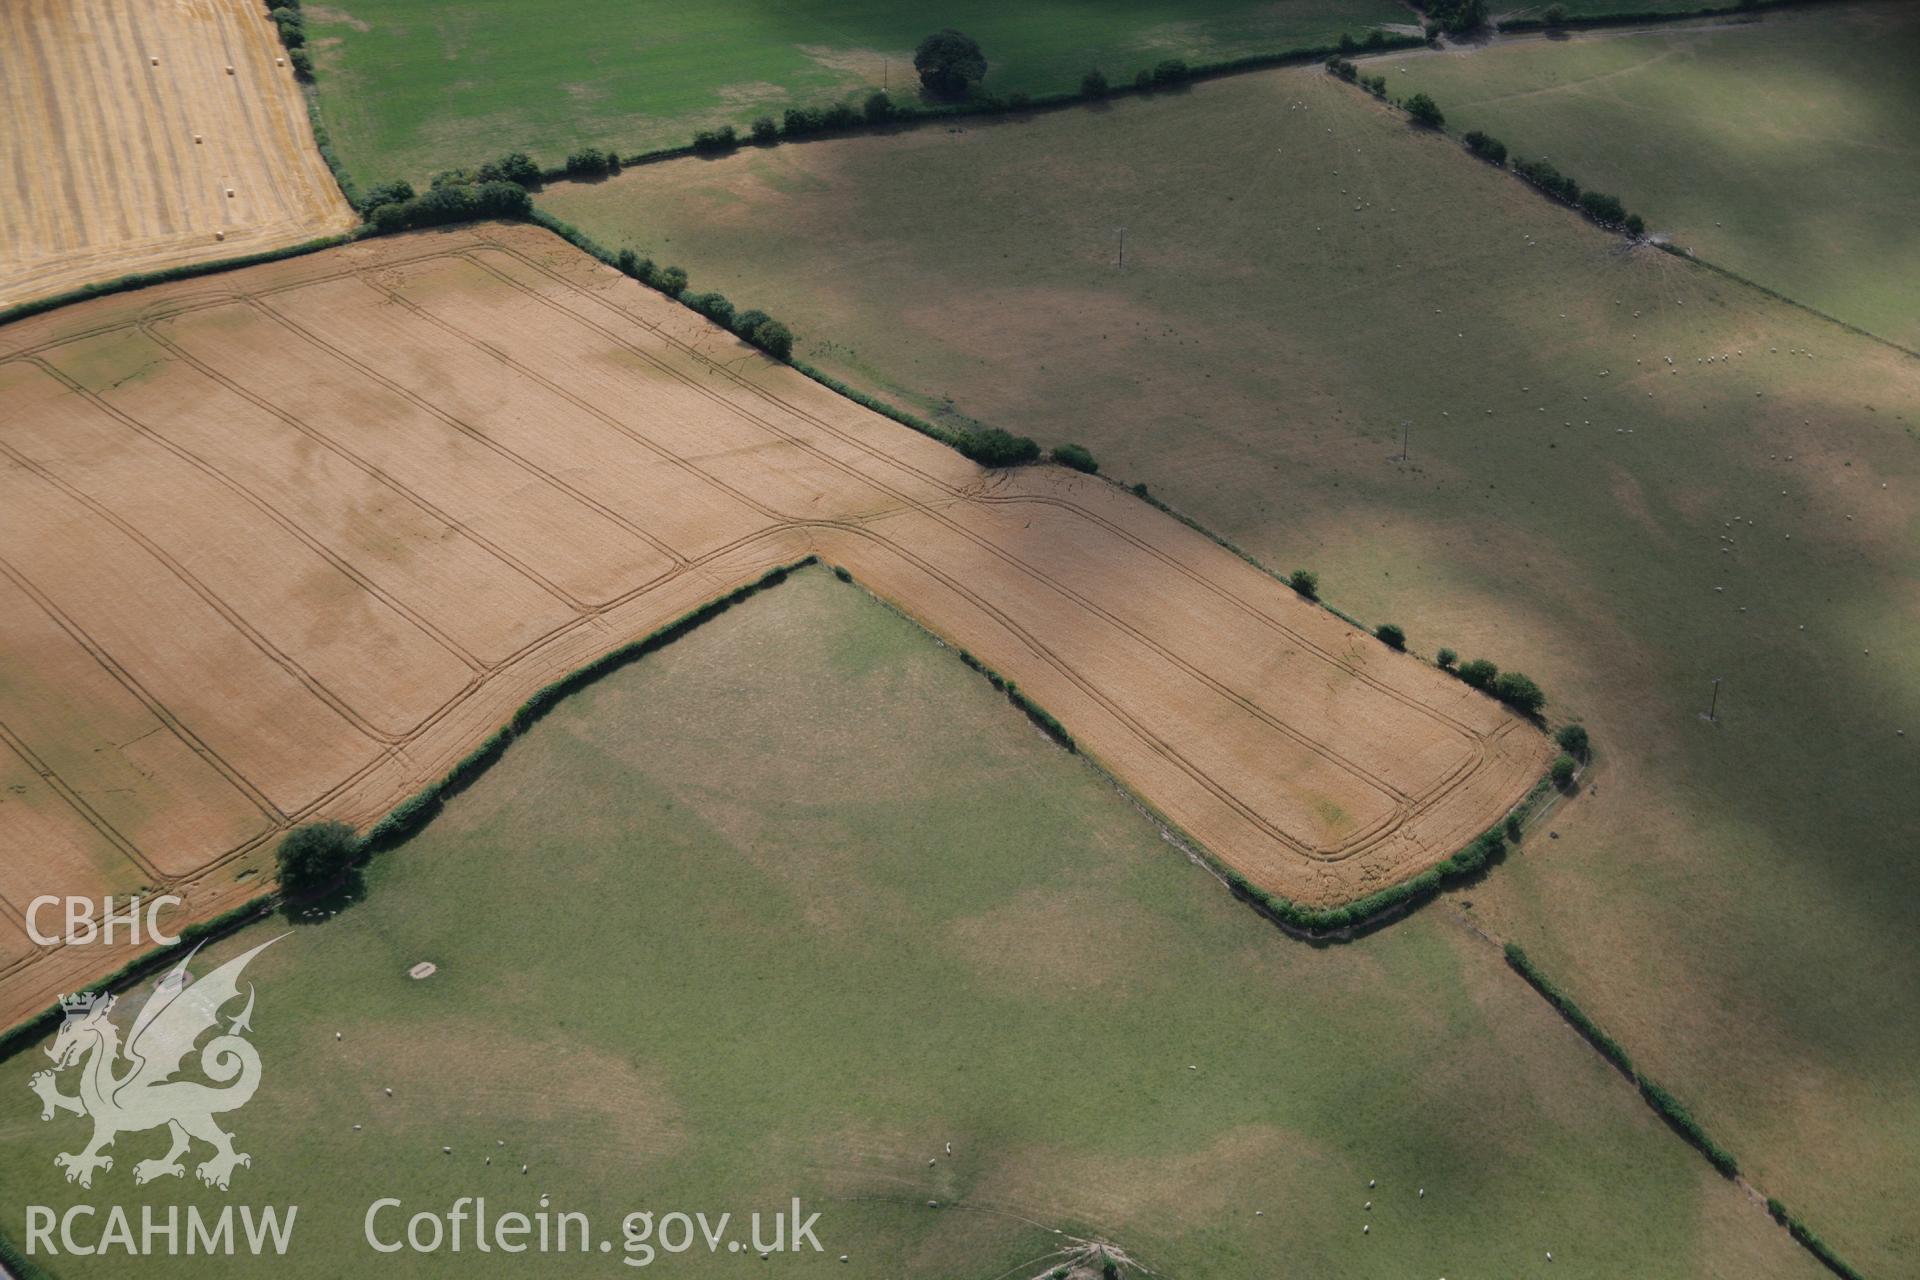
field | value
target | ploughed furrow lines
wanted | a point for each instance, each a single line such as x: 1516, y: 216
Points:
x: 298, y: 538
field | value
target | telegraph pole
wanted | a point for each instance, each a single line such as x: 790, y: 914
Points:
x: 1406, y: 437
x: 1122, y: 233
x: 1714, y: 705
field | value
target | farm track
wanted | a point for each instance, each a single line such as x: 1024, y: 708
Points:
x: 102, y: 170
x: 372, y: 499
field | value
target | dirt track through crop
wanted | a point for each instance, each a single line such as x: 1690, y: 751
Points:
x: 104, y: 174
x: 287, y: 543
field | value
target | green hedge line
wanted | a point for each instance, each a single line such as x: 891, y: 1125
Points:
x: 1034, y: 711
x: 1675, y: 1113
x: 22, y: 1034
x: 416, y: 811
x: 18, y: 1264
x: 1644, y: 17
x: 187, y: 271
x: 1367, y: 912
x: 1609, y: 1047
x: 1670, y: 1108
x: 841, y: 119
x: 1806, y: 1238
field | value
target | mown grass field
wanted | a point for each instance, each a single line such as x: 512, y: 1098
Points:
x: 792, y: 904
x: 409, y: 88
x: 1785, y: 149
x: 1728, y: 900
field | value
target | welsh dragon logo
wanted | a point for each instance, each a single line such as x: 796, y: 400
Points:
x: 132, y: 1089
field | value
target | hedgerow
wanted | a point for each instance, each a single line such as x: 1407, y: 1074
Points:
x: 1670, y: 1108
x: 141, y: 279
x: 1805, y: 1237
x: 416, y: 811
x: 1642, y: 17
x: 22, y: 1034
x: 1676, y: 1114
x: 1608, y: 1047
x: 1076, y: 456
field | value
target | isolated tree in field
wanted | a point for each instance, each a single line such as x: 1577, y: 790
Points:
x: 1391, y: 636
x: 1425, y: 111
x: 950, y: 63
x: 1306, y: 582
x: 313, y: 858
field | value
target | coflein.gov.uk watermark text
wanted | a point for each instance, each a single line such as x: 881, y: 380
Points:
x: 468, y: 1225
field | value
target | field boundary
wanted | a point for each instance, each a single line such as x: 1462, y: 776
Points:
x: 411, y: 815
x: 911, y: 115
x: 1318, y: 926
x: 1657, y: 17
x: 1663, y: 1103
x: 186, y: 271
x: 1467, y: 143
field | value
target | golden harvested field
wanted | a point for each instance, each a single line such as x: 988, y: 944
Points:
x: 123, y: 134
x: 288, y: 543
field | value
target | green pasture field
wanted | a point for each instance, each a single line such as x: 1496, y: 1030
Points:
x: 409, y: 87
x: 789, y: 906
x: 1304, y: 273
x: 1786, y: 149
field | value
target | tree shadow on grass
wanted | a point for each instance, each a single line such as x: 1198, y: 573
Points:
x: 348, y: 891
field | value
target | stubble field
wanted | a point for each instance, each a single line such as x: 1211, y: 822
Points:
x: 287, y: 544
x: 131, y: 149
x: 799, y: 906
x: 1724, y: 898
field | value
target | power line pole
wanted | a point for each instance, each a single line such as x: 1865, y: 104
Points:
x: 1122, y: 233
x: 1406, y: 437
x: 1714, y: 705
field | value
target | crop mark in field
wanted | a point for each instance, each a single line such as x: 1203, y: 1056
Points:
x: 497, y: 364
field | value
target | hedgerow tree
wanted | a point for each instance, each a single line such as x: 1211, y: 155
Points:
x: 879, y: 108
x: 1170, y: 72
x: 714, y: 306
x: 592, y: 162
x: 950, y: 63
x: 1446, y: 658
x: 1490, y: 149
x: 313, y: 858
x: 1425, y: 111
x: 1518, y: 692
x: 1561, y: 770
x: 773, y: 338
x: 1306, y: 582
x: 994, y: 447
x: 515, y: 166
x: 764, y: 129
x: 1479, y: 673
x: 1391, y: 636
x: 1094, y: 83
x: 1574, y: 741
x: 1077, y: 457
